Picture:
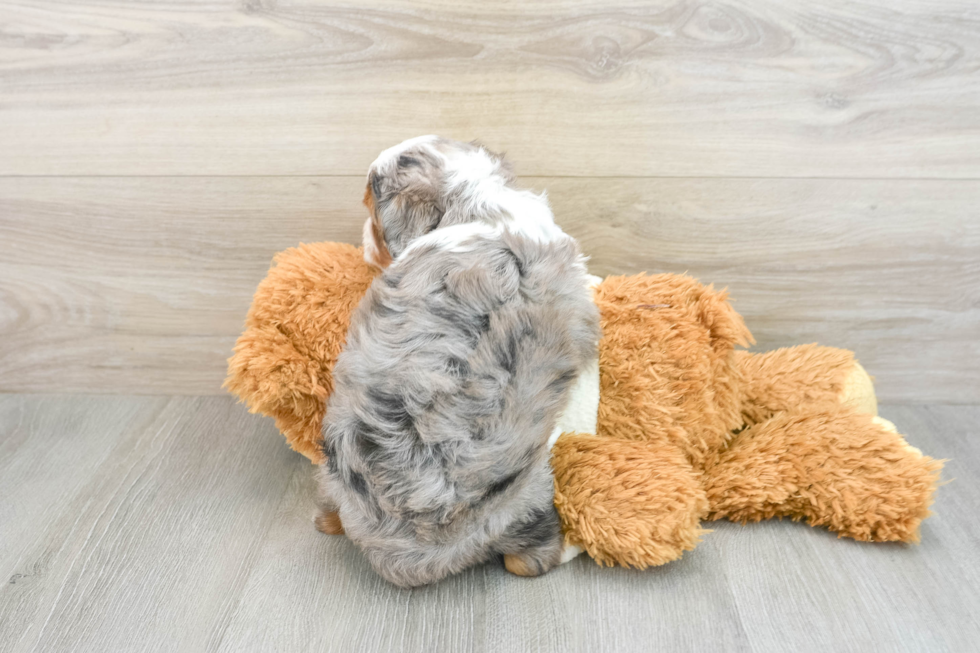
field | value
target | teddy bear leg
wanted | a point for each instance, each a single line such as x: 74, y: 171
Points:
x: 832, y: 466
x: 792, y: 377
x: 626, y: 502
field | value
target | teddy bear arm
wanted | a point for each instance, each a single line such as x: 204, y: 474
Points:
x: 793, y: 377
x: 832, y: 466
x: 632, y: 503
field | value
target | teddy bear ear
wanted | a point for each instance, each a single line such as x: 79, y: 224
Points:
x: 632, y: 503
x: 274, y: 379
x: 295, y: 329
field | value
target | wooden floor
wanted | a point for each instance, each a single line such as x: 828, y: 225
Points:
x: 165, y: 524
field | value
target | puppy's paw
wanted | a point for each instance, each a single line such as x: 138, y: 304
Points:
x: 528, y: 564
x: 329, y: 522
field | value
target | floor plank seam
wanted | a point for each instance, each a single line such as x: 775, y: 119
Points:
x: 252, y: 557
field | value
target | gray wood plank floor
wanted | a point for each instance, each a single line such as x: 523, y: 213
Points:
x: 154, y: 523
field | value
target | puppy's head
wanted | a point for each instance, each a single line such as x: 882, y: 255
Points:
x: 413, y: 187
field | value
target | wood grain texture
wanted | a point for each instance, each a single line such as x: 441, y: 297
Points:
x: 890, y: 270
x: 849, y: 597
x: 151, y: 524
x: 144, y: 283
x: 140, y: 285
x: 801, y: 88
x: 130, y: 524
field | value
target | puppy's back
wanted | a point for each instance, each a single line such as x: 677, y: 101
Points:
x: 458, y: 362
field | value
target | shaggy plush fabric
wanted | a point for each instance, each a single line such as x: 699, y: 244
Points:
x: 787, y: 378
x: 627, y: 502
x: 688, y: 428
x: 829, y: 465
x: 294, y: 332
x: 667, y: 362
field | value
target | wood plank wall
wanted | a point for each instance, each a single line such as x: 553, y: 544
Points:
x: 820, y: 159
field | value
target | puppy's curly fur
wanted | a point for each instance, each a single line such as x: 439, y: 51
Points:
x: 428, y: 183
x: 457, y: 364
x: 455, y: 370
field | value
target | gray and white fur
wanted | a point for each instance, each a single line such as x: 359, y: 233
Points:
x: 457, y: 364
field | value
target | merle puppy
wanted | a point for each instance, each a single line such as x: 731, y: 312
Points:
x: 458, y: 362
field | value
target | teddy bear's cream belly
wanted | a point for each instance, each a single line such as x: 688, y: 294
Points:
x: 581, y: 414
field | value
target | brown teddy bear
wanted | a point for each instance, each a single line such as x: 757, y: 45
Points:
x: 684, y: 426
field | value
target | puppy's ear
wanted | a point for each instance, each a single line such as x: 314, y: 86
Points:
x: 405, y: 199
x: 369, y: 197
x: 421, y: 212
x: 374, y: 184
x: 413, y: 212
x: 375, y: 250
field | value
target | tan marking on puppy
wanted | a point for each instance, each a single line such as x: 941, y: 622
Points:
x: 520, y: 565
x: 369, y: 200
x: 329, y: 523
x: 375, y: 251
